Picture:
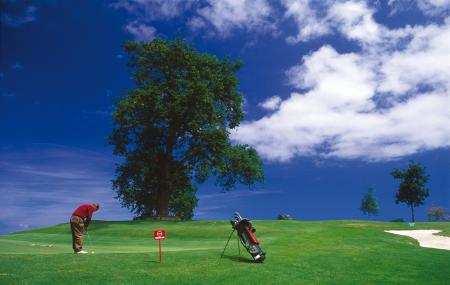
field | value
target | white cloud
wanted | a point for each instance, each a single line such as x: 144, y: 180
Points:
x: 353, y: 19
x: 428, y: 7
x: 219, y: 18
x: 27, y: 15
x: 434, y: 7
x: 33, y: 187
x: 225, y: 16
x: 24, y: 226
x: 351, y: 105
x: 141, y: 31
x: 310, y: 25
x: 338, y: 80
x: 340, y: 114
x: 148, y: 10
x: 425, y: 61
x: 196, y: 23
x: 217, y: 205
x: 271, y: 103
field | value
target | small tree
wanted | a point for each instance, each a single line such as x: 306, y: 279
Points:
x: 438, y: 214
x: 369, y: 205
x: 412, y: 189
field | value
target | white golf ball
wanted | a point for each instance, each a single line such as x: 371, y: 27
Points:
x: 92, y: 251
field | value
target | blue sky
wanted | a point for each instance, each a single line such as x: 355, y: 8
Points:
x: 337, y: 94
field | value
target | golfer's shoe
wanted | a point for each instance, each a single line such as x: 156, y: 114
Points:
x: 81, y: 252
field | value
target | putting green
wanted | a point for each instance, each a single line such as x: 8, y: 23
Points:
x: 328, y: 252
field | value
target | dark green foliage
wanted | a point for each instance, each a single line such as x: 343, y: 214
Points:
x: 284, y: 217
x: 182, y: 202
x: 412, y: 189
x: 369, y: 205
x: 399, y: 220
x: 173, y: 129
x: 436, y: 214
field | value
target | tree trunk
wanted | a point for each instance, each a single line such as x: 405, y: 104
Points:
x: 164, y: 190
x: 163, y: 202
x: 412, y: 212
x: 166, y: 184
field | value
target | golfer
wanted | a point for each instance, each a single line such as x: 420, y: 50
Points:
x: 79, y: 222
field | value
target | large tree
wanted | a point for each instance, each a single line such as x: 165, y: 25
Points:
x: 173, y: 129
x: 369, y: 205
x: 412, y: 189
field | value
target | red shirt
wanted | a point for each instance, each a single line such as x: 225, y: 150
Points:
x: 85, y: 211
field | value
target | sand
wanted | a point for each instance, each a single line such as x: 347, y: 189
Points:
x: 426, y: 238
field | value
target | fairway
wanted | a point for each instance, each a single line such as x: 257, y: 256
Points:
x: 326, y: 252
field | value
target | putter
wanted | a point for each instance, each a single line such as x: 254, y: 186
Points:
x: 90, y: 241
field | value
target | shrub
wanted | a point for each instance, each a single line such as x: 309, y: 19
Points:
x: 284, y: 217
x: 438, y: 214
x: 399, y: 220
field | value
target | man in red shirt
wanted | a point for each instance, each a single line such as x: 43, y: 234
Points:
x: 79, y: 222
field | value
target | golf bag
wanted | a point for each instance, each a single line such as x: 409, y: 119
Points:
x: 246, y: 235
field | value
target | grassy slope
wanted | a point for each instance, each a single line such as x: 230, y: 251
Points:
x: 328, y: 252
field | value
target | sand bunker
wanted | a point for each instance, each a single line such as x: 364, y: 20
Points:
x: 426, y: 238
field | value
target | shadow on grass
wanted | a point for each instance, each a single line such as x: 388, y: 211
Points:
x: 152, y: 261
x: 238, y: 258
x: 99, y: 224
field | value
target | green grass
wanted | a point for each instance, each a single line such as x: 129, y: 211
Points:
x: 326, y: 252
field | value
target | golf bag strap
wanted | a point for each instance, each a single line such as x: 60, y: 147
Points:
x: 252, y: 236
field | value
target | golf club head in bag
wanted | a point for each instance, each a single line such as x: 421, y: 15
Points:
x: 245, y: 231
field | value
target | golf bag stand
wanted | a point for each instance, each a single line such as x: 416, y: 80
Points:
x: 239, y: 247
x: 245, y: 232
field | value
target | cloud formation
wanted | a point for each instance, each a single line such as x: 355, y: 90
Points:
x: 315, y: 19
x: 16, y: 14
x: 389, y: 100
x: 226, y: 16
x: 216, y: 18
x: 428, y: 7
x: 220, y: 205
x: 309, y: 23
x: 43, y: 184
x: 144, y: 12
x: 271, y: 103
x: 141, y: 31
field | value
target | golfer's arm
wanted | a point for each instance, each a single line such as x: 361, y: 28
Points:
x: 88, y: 218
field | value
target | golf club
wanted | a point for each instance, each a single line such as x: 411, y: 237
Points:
x: 245, y: 231
x: 90, y: 241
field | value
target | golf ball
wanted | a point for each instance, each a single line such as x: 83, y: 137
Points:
x: 92, y: 251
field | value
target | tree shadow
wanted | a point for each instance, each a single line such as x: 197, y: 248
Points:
x: 238, y: 259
